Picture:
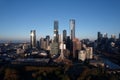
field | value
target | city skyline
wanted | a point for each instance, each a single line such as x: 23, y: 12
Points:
x: 18, y: 17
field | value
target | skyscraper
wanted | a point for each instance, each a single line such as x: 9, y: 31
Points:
x: 55, y: 45
x: 105, y: 35
x: 72, y: 28
x: 64, y: 35
x: 113, y: 36
x: 43, y: 43
x: 99, y: 36
x: 48, y: 40
x: 56, y: 36
x: 119, y: 35
x: 76, y: 48
x: 33, y: 38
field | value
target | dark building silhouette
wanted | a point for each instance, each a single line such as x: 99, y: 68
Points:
x: 38, y: 45
x: 69, y: 46
x: 99, y: 36
x: 64, y: 36
x: 119, y: 36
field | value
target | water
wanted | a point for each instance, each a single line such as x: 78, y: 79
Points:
x: 110, y: 64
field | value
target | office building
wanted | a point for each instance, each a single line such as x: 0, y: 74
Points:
x: 82, y: 55
x: 113, y: 36
x: 20, y: 51
x: 33, y: 38
x: 43, y: 43
x: 38, y: 45
x: 54, y: 47
x: 59, y: 38
x: 69, y: 47
x: 76, y: 48
x: 72, y: 29
x: 47, y: 41
x: 64, y: 36
x: 85, y: 54
x: 119, y: 35
x: 25, y: 46
x: 105, y: 35
x: 62, y: 57
x: 89, y: 53
x: 99, y: 36
x: 56, y: 35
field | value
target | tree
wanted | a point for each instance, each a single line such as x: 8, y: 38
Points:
x: 11, y: 74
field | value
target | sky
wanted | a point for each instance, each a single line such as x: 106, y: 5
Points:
x: 18, y: 17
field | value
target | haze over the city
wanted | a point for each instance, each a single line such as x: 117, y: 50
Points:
x: 18, y: 17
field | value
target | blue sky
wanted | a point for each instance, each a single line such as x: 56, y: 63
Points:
x: 18, y: 17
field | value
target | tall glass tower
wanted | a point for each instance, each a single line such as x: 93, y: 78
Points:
x: 72, y: 29
x: 55, y: 45
x: 33, y: 38
x: 56, y: 36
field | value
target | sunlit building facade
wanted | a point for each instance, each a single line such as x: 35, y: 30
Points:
x: 33, y: 38
x: 72, y: 28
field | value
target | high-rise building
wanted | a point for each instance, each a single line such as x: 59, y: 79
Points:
x: 56, y: 35
x: 64, y: 35
x: 113, y: 36
x: 99, y: 36
x: 59, y: 38
x: 85, y: 54
x: 76, y: 48
x: 33, y: 38
x: 43, y: 43
x: 105, y: 35
x: 72, y: 28
x: 62, y: 57
x: 54, y: 49
x: 62, y: 48
x: 89, y: 53
x: 69, y: 47
x: 55, y: 45
x: 48, y: 40
x: 82, y: 55
x: 119, y: 35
